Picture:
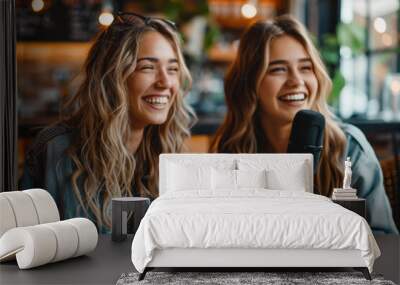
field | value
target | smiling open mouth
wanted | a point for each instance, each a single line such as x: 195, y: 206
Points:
x: 295, y: 97
x: 157, y: 101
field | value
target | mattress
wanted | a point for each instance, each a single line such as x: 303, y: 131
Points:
x: 250, y: 219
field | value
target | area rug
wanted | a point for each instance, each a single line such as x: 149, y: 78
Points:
x: 243, y: 278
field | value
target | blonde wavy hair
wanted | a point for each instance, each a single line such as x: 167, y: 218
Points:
x: 241, y: 130
x: 99, y: 111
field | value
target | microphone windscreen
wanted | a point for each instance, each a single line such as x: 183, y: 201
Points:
x: 307, y: 134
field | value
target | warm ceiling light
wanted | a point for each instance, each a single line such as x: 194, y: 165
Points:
x: 380, y: 25
x: 106, y: 18
x: 249, y: 10
x: 37, y: 5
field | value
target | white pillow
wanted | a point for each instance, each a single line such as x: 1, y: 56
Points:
x: 182, y: 177
x: 224, y: 179
x: 251, y: 178
x: 293, y: 179
x: 281, y: 174
x: 235, y: 179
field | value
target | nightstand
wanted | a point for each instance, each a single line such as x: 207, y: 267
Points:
x: 356, y: 205
x: 120, y: 210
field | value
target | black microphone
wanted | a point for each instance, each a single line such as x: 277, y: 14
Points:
x: 307, y: 134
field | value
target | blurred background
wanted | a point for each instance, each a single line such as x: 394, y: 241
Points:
x: 357, y: 39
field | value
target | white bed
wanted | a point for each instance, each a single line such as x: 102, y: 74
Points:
x: 229, y: 210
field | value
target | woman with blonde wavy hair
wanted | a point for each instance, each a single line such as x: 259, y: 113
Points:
x: 276, y: 73
x: 128, y: 109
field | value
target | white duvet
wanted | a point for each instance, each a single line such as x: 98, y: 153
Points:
x: 251, y: 218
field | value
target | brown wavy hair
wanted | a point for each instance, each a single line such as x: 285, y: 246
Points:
x: 241, y: 130
x: 100, y: 112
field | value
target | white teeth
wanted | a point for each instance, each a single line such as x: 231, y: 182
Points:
x: 157, y: 100
x: 293, y: 97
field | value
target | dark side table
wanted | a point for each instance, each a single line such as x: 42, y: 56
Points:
x: 121, y: 207
x: 356, y: 205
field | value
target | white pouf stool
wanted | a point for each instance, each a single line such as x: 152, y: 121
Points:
x: 31, y: 231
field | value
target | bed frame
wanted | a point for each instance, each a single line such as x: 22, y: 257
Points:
x: 247, y: 259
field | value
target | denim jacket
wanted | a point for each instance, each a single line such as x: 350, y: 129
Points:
x: 48, y: 166
x: 367, y: 178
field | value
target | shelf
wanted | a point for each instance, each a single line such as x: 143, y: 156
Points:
x: 222, y: 54
x: 228, y: 14
x: 53, y: 52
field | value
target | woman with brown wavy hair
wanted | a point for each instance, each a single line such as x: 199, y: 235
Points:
x: 128, y: 109
x: 278, y: 72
